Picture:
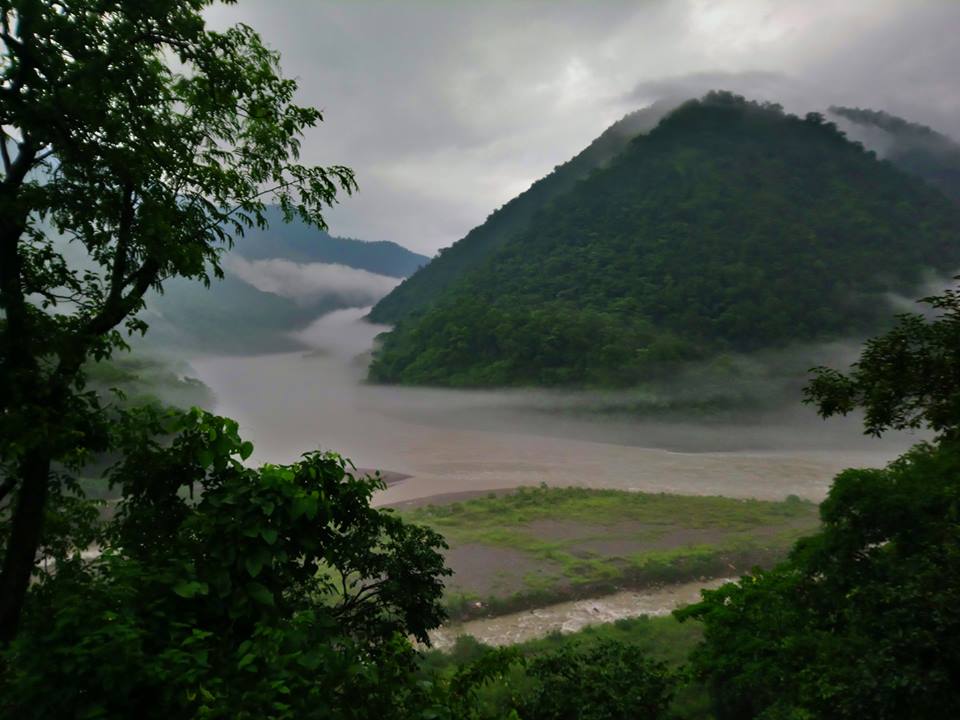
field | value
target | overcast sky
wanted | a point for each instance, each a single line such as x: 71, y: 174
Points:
x: 448, y: 109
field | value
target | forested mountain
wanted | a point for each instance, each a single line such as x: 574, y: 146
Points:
x: 423, y: 287
x: 912, y: 147
x: 302, y: 243
x: 729, y: 227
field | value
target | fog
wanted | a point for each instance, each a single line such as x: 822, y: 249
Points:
x: 451, y: 441
x: 305, y: 282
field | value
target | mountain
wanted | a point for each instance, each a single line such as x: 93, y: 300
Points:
x: 424, y: 286
x: 917, y: 149
x: 231, y: 316
x: 302, y: 243
x: 277, y: 281
x: 730, y: 227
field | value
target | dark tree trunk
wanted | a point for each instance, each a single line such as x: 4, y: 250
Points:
x: 24, y: 541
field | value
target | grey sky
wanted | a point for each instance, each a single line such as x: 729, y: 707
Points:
x: 446, y: 110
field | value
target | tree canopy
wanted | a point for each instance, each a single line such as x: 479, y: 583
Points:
x: 224, y: 591
x: 135, y: 141
x: 861, y: 620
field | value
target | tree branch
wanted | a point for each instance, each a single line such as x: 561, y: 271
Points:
x: 6, y: 154
x: 7, y: 486
x: 120, y: 256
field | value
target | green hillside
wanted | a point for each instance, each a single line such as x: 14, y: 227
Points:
x: 914, y: 148
x: 729, y: 227
x: 428, y: 283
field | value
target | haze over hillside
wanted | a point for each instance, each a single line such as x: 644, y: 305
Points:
x: 915, y: 148
x: 277, y: 280
x: 729, y: 227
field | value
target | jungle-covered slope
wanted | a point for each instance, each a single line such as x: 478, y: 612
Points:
x: 427, y: 284
x: 729, y: 227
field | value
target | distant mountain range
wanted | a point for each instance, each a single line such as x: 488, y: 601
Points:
x: 277, y: 281
x: 302, y: 243
x: 728, y: 227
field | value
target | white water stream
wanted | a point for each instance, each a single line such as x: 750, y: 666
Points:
x: 572, y: 616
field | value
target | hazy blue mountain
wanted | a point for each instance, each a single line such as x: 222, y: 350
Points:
x: 234, y: 316
x: 302, y: 243
x: 421, y: 288
x: 231, y: 317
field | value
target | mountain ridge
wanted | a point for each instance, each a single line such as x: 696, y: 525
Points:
x: 731, y: 226
x: 417, y: 291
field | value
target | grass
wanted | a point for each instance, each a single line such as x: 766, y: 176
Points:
x: 568, y: 543
x: 491, y: 516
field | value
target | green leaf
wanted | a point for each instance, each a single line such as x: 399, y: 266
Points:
x: 260, y: 593
x: 304, y: 505
x: 246, y: 450
x: 253, y: 565
x: 190, y: 589
x: 269, y: 534
x: 205, y: 457
x: 256, y: 560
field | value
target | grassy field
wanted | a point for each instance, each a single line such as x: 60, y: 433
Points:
x: 660, y: 638
x: 535, y: 546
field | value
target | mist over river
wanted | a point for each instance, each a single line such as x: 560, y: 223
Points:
x: 452, y: 441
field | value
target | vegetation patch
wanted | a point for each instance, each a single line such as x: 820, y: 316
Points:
x: 541, y: 545
x: 661, y: 639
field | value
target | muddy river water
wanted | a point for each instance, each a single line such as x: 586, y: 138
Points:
x: 457, y: 441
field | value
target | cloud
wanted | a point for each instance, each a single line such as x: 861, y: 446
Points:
x: 447, y: 110
x: 308, y: 282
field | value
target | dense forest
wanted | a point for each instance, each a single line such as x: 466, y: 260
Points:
x: 427, y: 284
x: 732, y: 226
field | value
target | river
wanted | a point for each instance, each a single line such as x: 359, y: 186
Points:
x: 572, y: 616
x: 460, y: 441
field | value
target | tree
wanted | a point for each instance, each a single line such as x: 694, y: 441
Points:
x: 906, y: 379
x: 862, y: 619
x: 224, y: 591
x: 140, y: 139
x: 610, y: 681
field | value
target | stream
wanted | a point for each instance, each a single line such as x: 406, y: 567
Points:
x: 568, y: 617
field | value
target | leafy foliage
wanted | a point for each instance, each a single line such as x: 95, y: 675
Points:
x: 907, y: 378
x: 276, y: 592
x: 730, y: 226
x: 861, y: 620
x: 141, y: 142
x: 858, y: 623
x: 609, y: 681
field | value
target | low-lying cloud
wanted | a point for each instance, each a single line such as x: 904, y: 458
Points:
x: 305, y: 283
